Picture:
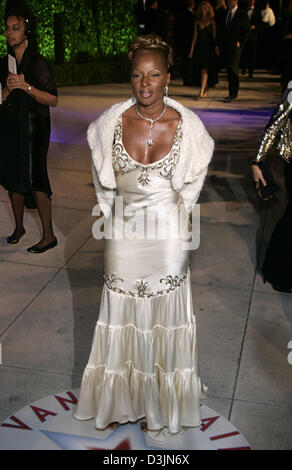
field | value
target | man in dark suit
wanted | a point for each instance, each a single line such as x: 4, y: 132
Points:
x: 249, y: 52
x: 235, y: 34
x: 153, y: 19
x: 140, y: 12
x: 184, y: 30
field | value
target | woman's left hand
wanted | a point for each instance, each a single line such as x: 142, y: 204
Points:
x: 16, y: 82
x: 257, y: 174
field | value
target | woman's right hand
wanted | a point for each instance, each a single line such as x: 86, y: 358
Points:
x: 257, y: 174
x: 5, y: 93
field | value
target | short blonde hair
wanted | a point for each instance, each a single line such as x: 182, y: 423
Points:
x: 151, y: 43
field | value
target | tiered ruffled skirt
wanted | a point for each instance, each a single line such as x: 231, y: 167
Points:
x: 144, y: 363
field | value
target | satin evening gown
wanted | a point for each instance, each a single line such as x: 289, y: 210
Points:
x: 143, y: 361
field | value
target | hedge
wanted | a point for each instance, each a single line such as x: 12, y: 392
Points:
x: 101, y: 71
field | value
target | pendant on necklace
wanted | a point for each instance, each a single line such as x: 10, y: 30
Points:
x: 150, y: 142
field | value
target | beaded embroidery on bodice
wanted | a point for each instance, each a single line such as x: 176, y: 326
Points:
x: 123, y: 163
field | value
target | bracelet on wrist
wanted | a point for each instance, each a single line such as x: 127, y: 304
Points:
x: 28, y: 90
x: 252, y: 161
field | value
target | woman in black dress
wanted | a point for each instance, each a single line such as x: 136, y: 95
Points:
x: 277, y: 267
x: 203, y: 49
x: 25, y: 128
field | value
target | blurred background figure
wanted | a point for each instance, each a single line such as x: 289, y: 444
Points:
x: 153, y: 19
x: 220, y: 18
x: 233, y: 38
x: 140, y: 11
x: 268, y: 51
x: 203, y: 49
x: 285, y: 55
x: 267, y: 14
x: 184, y: 30
x: 167, y: 27
x: 249, y: 53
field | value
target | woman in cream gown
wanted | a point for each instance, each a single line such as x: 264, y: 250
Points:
x: 143, y: 361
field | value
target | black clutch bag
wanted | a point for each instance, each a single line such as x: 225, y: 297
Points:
x: 266, y: 192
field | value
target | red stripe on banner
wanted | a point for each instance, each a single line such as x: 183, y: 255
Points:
x: 222, y: 436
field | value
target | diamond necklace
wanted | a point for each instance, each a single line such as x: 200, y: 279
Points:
x: 150, y: 141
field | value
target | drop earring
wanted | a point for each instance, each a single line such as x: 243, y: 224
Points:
x: 166, y: 94
x: 134, y: 100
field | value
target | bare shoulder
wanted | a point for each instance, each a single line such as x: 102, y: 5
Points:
x: 130, y: 113
x: 172, y: 115
x: 130, y: 117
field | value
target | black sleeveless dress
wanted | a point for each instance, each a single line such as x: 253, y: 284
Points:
x: 25, y: 129
x: 205, y: 57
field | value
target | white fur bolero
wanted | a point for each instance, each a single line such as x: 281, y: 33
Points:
x: 195, y: 154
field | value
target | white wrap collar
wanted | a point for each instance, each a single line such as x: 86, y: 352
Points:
x: 195, y: 152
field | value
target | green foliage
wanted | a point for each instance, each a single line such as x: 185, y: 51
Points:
x: 2, y: 35
x: 91, y: 28
x: 116, y: 26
